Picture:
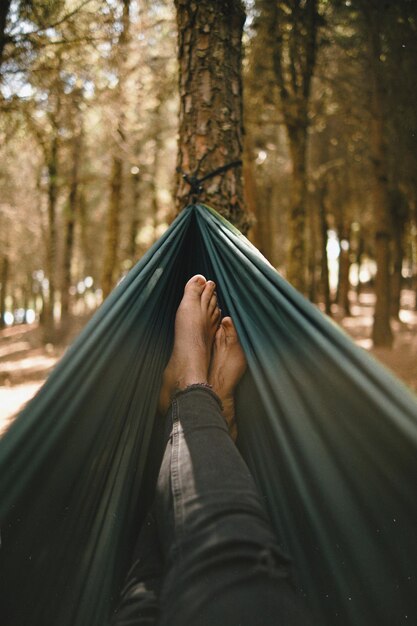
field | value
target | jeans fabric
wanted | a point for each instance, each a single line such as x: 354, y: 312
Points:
x: 206, y: 554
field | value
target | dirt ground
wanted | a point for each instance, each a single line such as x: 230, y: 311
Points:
x: 402, y: 357
x: 25, y: 362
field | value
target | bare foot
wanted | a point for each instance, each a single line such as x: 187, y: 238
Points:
x: 196, y: 323
x: 227, y: 368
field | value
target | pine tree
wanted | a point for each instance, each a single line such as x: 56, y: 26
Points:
x: 210, y: 118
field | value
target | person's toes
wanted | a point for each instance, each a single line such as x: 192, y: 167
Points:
x: 216, y: 316
x: 212, y: 304
x: 229, y: 328
x: 195, y: 286
x: 220, y: 336
x: 208, y: 291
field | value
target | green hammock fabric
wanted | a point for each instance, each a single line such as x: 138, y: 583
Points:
x: 329, y: 435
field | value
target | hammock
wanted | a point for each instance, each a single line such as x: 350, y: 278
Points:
x: 329, y: 435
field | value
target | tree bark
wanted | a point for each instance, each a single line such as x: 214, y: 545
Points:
x: 381, y: 331
x: 70, y: 219
x: 3, y: 289
x: 211, y: 116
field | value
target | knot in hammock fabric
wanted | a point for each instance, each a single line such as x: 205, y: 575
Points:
x: 328, y: 434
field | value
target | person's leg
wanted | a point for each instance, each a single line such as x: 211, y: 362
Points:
x: 222, y: 563
x: 139, y: 600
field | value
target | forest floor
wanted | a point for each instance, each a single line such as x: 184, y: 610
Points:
x: 25, y: 361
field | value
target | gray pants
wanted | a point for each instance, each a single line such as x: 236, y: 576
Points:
x: 206, y: 554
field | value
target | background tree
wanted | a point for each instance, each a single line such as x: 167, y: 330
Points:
x: 290, y: 34
x: 71, y: 211
x: 119, y: 141
x: 382, y: 333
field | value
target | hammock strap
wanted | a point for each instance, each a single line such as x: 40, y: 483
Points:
x: 195, y: 183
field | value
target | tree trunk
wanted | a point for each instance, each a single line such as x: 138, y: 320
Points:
x: 155, y: 169
x: 415, y: 293
x: 26, y: 301
x: 84, y: 234
x: 343, y: 286
x: 135, y: 221
x: 263, y: 228
x: 312, y: 254
x: 29, y: 296
x: 4, y: 11
x: 266, y: 225
x: 259, y: 206
x: 297, y: 262
x: 48, y: 313
x: 261, y: 233
x: 114, y: 210
x: 399, y: 215
x: 397, y: 266
x: 413, y: 247
x: 3, y: 289
x: 359, y: 255
x: 112, y: 228
x: 381, y: 331
x: 210, y: 116
x: 70, y: 217
x: 324, y: 260
x: 290, y: 31
x: 343, y: 283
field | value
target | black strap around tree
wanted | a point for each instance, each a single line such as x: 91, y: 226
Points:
x: 195, y: 183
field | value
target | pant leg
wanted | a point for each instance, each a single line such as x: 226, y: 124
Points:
x: 139, y: 600
x: 222, y: 563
